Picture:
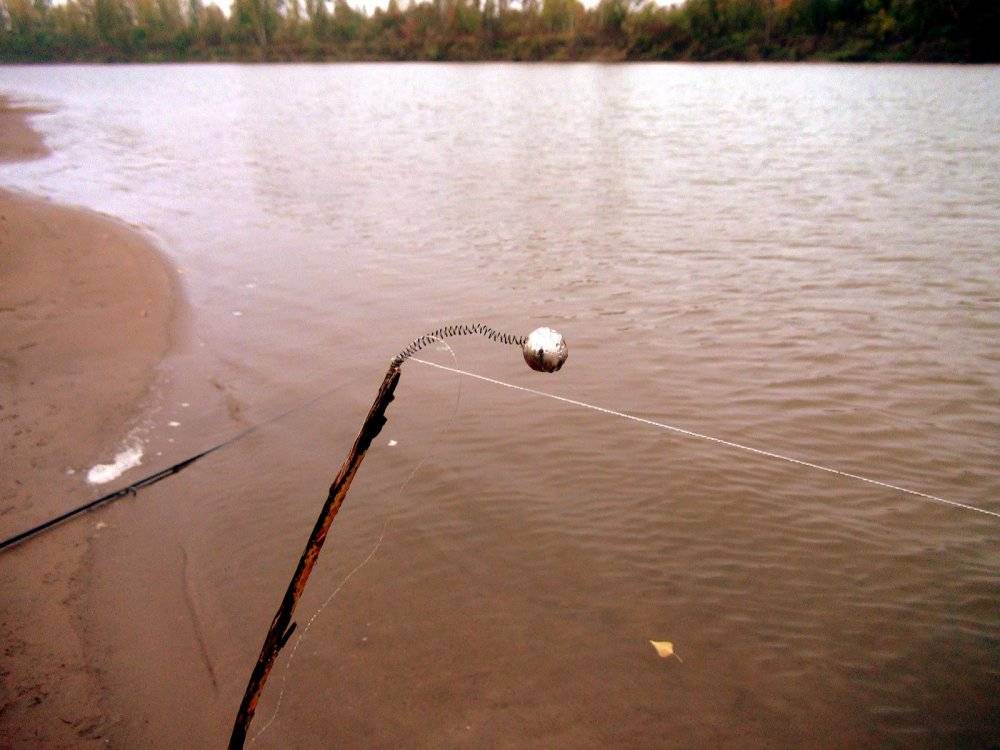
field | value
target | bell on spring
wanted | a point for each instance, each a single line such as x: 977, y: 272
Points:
x: 545, y: 350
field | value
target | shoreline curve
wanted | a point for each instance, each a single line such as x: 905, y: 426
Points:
x: 89, y: 307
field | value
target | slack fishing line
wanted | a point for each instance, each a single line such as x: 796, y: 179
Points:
x: 436, y: 440
x: 543, y: 349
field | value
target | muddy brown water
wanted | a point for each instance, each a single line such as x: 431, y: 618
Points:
x: 802, y: 259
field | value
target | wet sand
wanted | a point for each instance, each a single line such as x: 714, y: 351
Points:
x: 87, y: 309
x: 18, y: 140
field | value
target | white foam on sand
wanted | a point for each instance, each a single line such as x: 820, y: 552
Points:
x: 126, y: 459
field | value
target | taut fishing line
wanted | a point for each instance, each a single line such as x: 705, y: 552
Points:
x: 394, y: 504
x: 711, y: 439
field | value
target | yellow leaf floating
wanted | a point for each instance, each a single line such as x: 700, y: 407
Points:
x: 665, y: 649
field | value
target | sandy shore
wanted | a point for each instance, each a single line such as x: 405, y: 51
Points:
x: 87, y: 307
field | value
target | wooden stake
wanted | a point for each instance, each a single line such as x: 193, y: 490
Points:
x: 281, y: 629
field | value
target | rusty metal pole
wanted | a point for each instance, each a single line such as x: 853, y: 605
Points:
x: 282, y: 626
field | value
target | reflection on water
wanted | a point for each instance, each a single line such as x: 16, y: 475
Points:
x: 802, y: 259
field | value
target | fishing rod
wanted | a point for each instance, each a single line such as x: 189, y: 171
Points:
x: 132, y: 489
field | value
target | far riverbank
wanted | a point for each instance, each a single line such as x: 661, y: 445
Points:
x: 553, y: 30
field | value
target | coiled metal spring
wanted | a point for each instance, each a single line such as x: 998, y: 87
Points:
x: 462, y: 329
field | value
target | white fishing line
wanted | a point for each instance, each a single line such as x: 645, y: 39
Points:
x: 375, y: 548
x: 719, y: 441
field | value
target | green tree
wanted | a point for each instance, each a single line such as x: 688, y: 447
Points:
x: 253, y: 21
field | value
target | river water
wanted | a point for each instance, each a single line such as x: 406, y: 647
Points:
x: 803, y: 259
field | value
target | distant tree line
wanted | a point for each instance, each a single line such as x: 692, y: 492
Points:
x: 171, y: 30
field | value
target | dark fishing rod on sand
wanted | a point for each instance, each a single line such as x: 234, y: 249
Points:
x: 132, y: 489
